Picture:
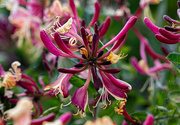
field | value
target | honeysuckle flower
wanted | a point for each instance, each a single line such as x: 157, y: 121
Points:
x: 143, y: 67
x: 78, y: 20
x: 24, y: 22
x: 92, y: 58
x: 168, y: 34
x: 63, y: 119
x: 21, y: 114
x: 40, y: 121
x: 11, y: 77
x: 122, y: 110
x: 56, y: 9
x: 149, y: 120
x: 106, y: 120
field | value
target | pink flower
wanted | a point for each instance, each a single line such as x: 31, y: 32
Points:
x: 90, y: 57
x: 168, y: 35
x: 149, y: 120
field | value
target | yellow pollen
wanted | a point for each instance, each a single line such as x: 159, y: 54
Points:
x: 143, y: 65
x: 120, y: 110
x: 61, y: 29
x: 9, y: 80
x: 113, y: 58
x: 155, y: 1
x: 83, y: 51
x: 89, y: 38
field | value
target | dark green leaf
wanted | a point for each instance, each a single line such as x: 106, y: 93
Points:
x: 138, y: 116
x: 175, y: 59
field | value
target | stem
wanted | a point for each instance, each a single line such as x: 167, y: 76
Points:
x: 167, y: 116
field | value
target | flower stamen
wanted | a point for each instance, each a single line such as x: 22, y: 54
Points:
x: 120, y: 110
x: 113, y: 58
x: 65, y: 104
x: 83, y: 51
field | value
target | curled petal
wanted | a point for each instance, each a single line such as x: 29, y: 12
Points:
x: 50, y: 46
x: 149, y: 120
x: 96, y: 80
x: 168, y: 34
x: 118, y: 82
x: 63, y: 47
x: 170, y: 20
x: 39, y: 121
x: 117, y: 92
x: 165, y: 40
x: 62, y: 83
x: 151, y: 26
x: 159, y: 67
x: 178, y: 12
x: 94, y: 44
x: 83, y: 34
x: 71, y: 71
x: 113, y: 71
x: 65, y: 117
x: 130, y: 23
x: 105, y: 27
x: 136, y: 66
x: 96, y: 14
x: 73, y: 7
x: 172, y: 29
x: 80, y: 98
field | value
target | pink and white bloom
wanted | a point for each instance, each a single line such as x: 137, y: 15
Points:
x: 21, y: 114
x: 90, y: 57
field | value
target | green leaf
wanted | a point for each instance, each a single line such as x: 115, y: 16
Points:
x: 109, y: 111
x: 51, y: 110
x: 79, y: 82
x: 174, y: 58
x: 174, y: 96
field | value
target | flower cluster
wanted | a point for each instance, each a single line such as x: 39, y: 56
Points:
x: 91, y: 57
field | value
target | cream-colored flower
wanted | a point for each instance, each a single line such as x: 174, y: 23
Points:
x: 12, y: 76
x: 21, y: 113
x: 101, y: 121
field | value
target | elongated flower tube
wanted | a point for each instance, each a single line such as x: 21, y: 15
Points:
x: 122, y: 110
x: 167, y: 35
x: 63, y: 119
x: 93, y: 59
x: 149, y: 120
x: 94, y: 19
x: 61, y: 84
